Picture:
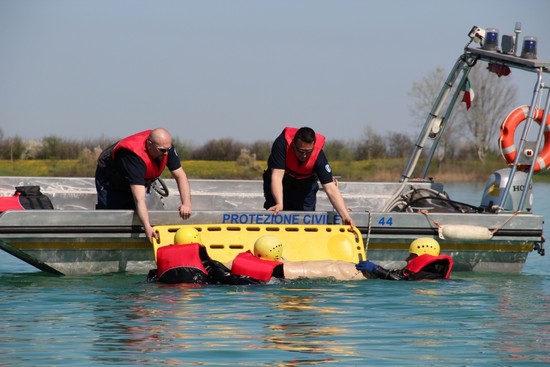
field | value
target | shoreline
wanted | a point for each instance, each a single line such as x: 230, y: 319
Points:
x: 375, y: 170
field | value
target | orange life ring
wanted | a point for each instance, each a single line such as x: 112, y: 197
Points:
x: 508, y: 129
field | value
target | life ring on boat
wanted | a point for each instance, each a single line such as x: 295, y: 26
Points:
x: 508, y: 129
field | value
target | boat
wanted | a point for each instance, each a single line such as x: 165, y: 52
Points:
x: 495, y: 235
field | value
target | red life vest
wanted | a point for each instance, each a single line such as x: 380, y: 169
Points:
x: 10, y: 203
x: 249, y: 265
x: 25, y: 197
x: 422, y: 261
x: 137, y: 144
x: 177, y: 256
x: 294, y: 167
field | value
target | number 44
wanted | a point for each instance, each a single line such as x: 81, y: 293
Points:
x: 386, y: 221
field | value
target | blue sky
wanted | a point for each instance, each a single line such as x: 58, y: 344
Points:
x: 83, y: 69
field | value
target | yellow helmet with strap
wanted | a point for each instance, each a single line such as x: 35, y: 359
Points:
x: 268, y: 248
x: 424, y: 245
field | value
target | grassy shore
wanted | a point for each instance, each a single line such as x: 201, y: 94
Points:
x: 371, y: 170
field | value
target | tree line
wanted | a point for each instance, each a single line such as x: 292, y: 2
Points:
x: 371, y: 146
x: 472, y: 135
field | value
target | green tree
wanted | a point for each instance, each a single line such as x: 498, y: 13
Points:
x: 11, y: 148
x: 474, y: 129
x: 398, y: 145
x: 423, y: 94
x: 371, y: 146
x: 219, y: 150
x: 262, y: 149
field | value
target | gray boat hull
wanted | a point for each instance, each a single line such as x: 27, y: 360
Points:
x: 76, y: 239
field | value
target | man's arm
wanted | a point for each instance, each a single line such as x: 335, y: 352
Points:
x: 337, y: 201
x: 369, y: 267
x: 138, y: 191
x: 277, y: 189
x: 185, y: 192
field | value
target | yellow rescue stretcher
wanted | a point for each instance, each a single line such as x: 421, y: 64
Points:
x: 300, y: 242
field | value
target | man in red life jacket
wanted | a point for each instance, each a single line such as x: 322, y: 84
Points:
x: 126, y: 170
x: 267, y: 263
x: 424, y: 262
x: 295, y: 164
x: 187, y: 261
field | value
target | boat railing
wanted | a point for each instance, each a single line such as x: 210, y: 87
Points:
x: 441, y: 111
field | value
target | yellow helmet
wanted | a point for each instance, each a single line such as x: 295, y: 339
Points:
x: 268, y: 248
x: 424, y: 245
x: 186, y: 235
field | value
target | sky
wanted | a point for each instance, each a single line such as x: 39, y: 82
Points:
x: 239, y: 69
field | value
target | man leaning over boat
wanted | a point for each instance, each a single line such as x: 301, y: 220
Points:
x: 126, y: 169
x: 296, y: 162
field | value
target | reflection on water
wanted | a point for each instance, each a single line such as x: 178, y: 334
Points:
x: 473, y: 319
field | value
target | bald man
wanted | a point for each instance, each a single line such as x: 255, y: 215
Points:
x: 126, y: 170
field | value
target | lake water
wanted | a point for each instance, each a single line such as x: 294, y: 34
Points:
x: 120, y: 320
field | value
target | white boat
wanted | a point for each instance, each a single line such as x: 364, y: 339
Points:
x: 496, y: 234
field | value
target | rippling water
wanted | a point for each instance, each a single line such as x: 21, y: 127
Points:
x: 120, y: 320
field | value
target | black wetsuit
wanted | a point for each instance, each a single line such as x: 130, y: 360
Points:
x: 216, y: 273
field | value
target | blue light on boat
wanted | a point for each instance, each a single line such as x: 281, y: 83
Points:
x: 529, y: 50
x: 491, y: 39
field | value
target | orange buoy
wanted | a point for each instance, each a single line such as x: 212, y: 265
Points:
x: 508, y: 129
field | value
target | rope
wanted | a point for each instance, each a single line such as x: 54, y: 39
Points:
x: 425, y: 212
x: 507, y: 220
x: 368, y: 233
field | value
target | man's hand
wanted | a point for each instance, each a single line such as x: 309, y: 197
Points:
x: 348, y: 220
x: 276, y: 208
x: 185, y: 211
x: 151, y: 234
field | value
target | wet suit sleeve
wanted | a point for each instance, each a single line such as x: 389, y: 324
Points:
x: 370, y: 269
x: 221, y: 274
x: 382, y: 273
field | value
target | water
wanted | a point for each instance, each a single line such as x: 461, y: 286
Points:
x: 120, y: 320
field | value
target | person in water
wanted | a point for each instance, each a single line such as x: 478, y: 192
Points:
x: 187, y: 261
x: 266, y: 263
x: 424, y: 262
x: 296, y: 162
x: 126, y: 170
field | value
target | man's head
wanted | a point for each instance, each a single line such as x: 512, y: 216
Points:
x: 186, y: 235
x: 268, y: 248
x: 159, y: 142
x: 303, y: 143
x: 423, y: 245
